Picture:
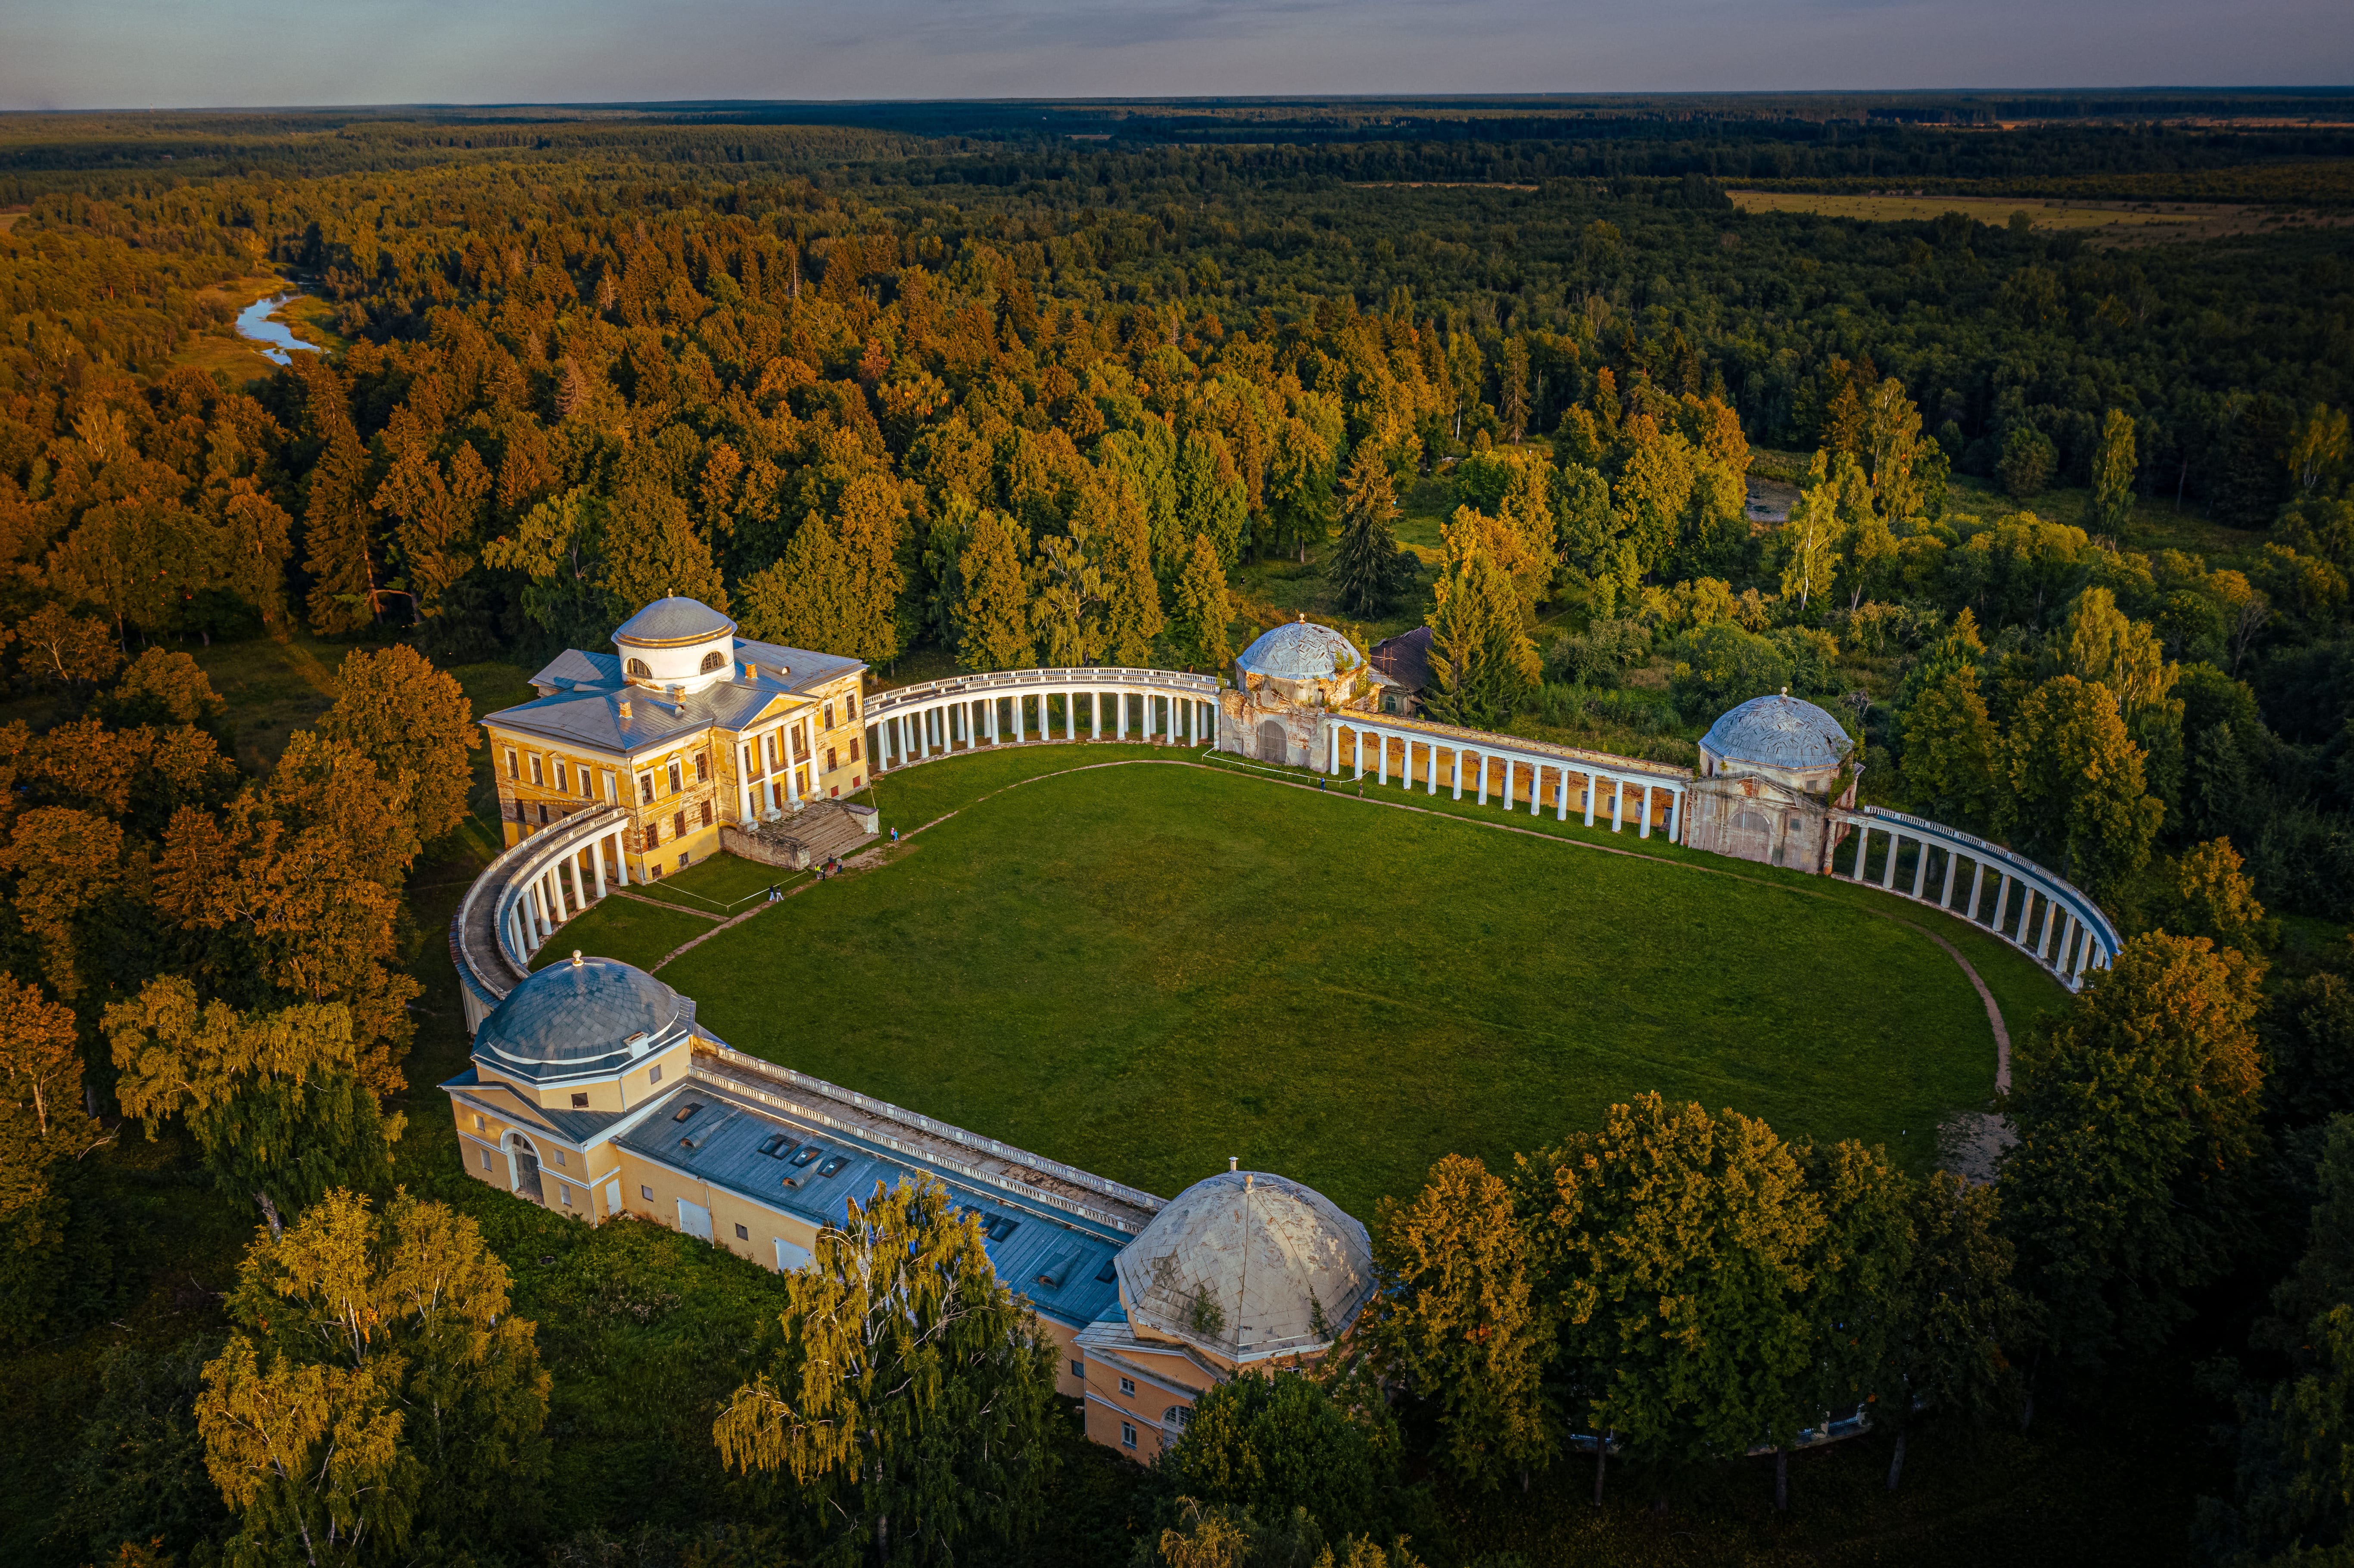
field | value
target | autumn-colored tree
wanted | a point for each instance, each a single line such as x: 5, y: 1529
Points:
x: 1680, y: 1245
x: 1122, y: 533
x: 994, y: 618
x: 70, y: 651
x: 2077, y: 801
x: 436, y: 510
x: 43, y: 1127
x: 1198, y: 636
x: 274, y: 1100
x: 1211, y: 496
x: 2114, y: 467
x: 1809, y: 541
x: 1067, y: 598
x: 910, y: 1395
x: 415, y: 724
x: 164, y: 687
x: 1466, y: 1318
x: 377, y: 1401
x: 2099, y: 644
x: 2137, y: 1110
x: 339, y: 525
x: 68, y: 871
x: 652, y: 549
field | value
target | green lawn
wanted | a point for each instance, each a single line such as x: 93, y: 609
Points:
x: 1145, y: 969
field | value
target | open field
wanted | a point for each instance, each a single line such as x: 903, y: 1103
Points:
x: 2123, y: 222
x: 1144, y: 970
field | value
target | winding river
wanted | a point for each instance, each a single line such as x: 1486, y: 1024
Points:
x: 276, y: 339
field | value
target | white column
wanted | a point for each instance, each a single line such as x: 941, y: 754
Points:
x: 1920, y: 867
x: 620, y: 859
x: 1381, y: 741
x: 1479, y: 760
x: 1511, y: 768
x: 1946, y: 881
x: 2044, y: 927
x: 1675, y: 816
x: 1618, y: 803
x: 1458, y: 771
x: 2067, y: 935
x: 1536, y: 788
x: 1643, y: 806
x: 1334, y: 767
x: 1896, y: 848
x: 745, y: 813
x: 597, y: 859
x: 1561, y: 806
x: 1359, y: 732
x: 1095, y: 715
x: 1591, y: 784
x: 534, y: 919
x: 1433, y: 789
x: 1017, y: 717
x: 555, y: 886
x: 1977, y: 884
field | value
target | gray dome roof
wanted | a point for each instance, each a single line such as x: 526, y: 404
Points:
x: 667, y: 622
x: 1780, y: 731
x: 580, y: 1013
x: 1302, y: 651
x: 1241, y: 1264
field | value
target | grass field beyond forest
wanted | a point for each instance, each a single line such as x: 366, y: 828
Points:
x: 1143, y: 969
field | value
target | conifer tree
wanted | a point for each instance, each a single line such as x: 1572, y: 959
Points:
x: 994, y: 619
x: 1482, y: 663
x: 338, y: 527
x: 1211, y: 496
x: 1368, y: 568
x: 1122, y: 533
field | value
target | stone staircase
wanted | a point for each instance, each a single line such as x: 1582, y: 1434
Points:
x: 819, y: 831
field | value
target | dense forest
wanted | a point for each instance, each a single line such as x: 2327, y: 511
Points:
x: 2062, y: 530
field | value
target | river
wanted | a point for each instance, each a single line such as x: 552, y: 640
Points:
x: 276, y: 340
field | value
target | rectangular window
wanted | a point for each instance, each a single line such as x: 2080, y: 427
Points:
x: 653, y: 1073
x: 645, y: 789
x: 543, y: 813
x: 564, y: 1194
x: 1078, y: 1369
x: 486, y: 1158
x: 478, y: 1124
x: 563, y: 780
x: 702, y: 767
x: 653, y: 832
x: 800, y: 742
x: 775, y: 759
x: 853, y: 749
x: 853, y: 704
x: 647, y: 1193
x: 511, y: 771
x: 608, y: 787
x: 579, y: 1102
x: 559, y: 1155
x: 751, y: 762
x: 1128, y: 1386
x: 832, y: 761
x: 829, y: 716
x: 800, y: 780
x: 1127, y: 1435
x: 676, y: 784
x: 535, y: 776
x: 706, y: 813
x: 743, y: 1235
x: 678, y: 824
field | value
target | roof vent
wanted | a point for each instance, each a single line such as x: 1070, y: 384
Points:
x: 625, y: 707
x: 1234, y: 1162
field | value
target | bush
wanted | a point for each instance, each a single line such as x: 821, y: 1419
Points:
x: 2027, y: 462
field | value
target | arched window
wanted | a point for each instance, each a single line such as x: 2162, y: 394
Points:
x: 1177, y: 1416
x: 636, y: 670
x: 1750, y: 821
x: 712, y: 660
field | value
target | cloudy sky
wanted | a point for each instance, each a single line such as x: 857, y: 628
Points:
x: 82, y: 54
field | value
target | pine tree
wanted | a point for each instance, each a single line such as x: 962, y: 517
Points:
x: 1482, y: 663
x: 338, y: 527
x: 994, y: 619
x: 1122, y: 533
x: 1204, y: 610
x: 1367, y: 571
x: 1211, y: 496
x: 652, y: 549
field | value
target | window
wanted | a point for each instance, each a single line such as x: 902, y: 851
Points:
x: 1127, y: 1434
x: 777, y: 1145
x: 1750, y: 822
x: 559, y: 1157
x: 687, y: 1110
x: 636, y: 670
x: 653, y: 1073
x: 834, y: 1166
x: 647, y: 1193
x: 609, y: 786
x: 579, y: 1102
x: 712, y: 660
x: 741, y: 1233
x: 653, y: 832
x: 678, y: 824
x: 853, y: 749
x: 543, y: 813
x: 1078, y: 1369
x: 645, y: 789
x: 534, y: 769
x: 1177, y: 1416
x: 1128, y: 1386
x: 751, y: 762
x: 852, y: 705
x: 702, y: 767
x: 999, y: 1227
x: 486, y: 1158
x: 478, y: 1124
x: 564, y: 1194
x: 675, y: 782
x: 562, y: 781
x: 1106, y: 1274
x: 829, y: 716
x: 706, y: 813
x: 808, y: 1156
x: 774, y: 758
x: 833, y: 760
x: 511, y: 771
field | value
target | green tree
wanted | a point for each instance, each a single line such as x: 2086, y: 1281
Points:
x: 1198, y: 637
x: 836, y: 588
x: 2076, y: 801
x: 2027, y: 462
x: 2317, y: 450
x: 652, y: 549
x: 2114, y: 467
x: 1680, y: 1244
x: 1960, y: 1321
x: 909, y: 1395
x: 377, y: 1402
x: 2208, y: 893
x: 1368, y: 568
x: 275, y: 1100
x: 1211, y: 496
x: 1298, y: 489
x: 1810, y: 540
x: 2137, y: 1110
x: 994, y: 618
x: 1955, y: 767
x: 1464, y: 1320
x: 1482, y: 663
x: 1122, y: 534
x: 415, y: 723
x: 1282, y: 1442
x: 559, y: 546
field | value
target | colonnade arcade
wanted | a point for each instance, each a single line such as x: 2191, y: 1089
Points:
x: 1518, y: 773
x: 1010, y: 706
x: 2008, y: 894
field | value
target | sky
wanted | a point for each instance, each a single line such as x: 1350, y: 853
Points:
x: 93, y: 54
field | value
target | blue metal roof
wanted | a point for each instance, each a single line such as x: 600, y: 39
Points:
x: 1779, y: 731
x: 578, y: 1013
x: 586, y: 707
x: 1060, y: 1262
x: 576, y: 1127
x: 1300, y: 651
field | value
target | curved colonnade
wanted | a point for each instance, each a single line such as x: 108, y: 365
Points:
x: 520, y: 898
x: 2042, y: 915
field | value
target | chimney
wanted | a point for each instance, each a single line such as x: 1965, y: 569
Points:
x: 1233, y: 1163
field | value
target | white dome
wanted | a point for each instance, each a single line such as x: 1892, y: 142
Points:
x: 1780, y: 731
x: 680, y: 643
x: 1302, y: 651
x: 1247, y: 1265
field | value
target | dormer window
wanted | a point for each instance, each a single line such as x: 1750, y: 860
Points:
x: 715, y: 659
x: 637, y: 670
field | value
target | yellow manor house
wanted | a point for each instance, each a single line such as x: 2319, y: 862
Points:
x: 594, y: 1090
x: 688, y: 726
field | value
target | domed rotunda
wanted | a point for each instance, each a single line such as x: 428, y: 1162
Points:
x: 1285, y: 682
x: 583, y: 1019
x: 1771, y: 772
